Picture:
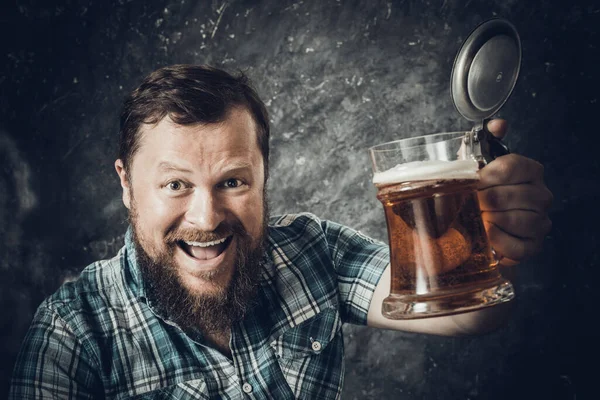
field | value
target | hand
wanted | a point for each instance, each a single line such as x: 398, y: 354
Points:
x: 514, y: 203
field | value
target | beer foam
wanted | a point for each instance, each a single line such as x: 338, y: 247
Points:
x: 428, y: 170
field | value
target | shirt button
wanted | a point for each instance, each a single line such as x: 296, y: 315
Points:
x: 247, y: 388
x: 316, y: 346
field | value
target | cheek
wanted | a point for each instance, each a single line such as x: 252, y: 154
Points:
x: 155, y: 213
x: 251, y: 215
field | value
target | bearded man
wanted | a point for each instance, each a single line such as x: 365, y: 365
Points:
x: 209, y: 298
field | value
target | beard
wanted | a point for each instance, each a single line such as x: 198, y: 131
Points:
x: 212, y: 312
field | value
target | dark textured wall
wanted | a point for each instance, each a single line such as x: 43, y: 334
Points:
x: 337, y: 76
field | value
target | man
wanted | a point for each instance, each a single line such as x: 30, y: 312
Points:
x: 207, y: 300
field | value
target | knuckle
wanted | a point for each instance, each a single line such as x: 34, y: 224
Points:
x: 509, y: 220
x: 505, y: 196
x: 504, y: 166
x: 517, y: 219
x: 494, y: 198
x: 535, y: 170
x: 538, y: 168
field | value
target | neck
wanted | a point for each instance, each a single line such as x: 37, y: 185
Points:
x: 220, y: 341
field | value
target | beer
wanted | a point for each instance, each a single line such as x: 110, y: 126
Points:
x: 438, y: 244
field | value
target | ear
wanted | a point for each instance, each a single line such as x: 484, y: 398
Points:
x: 125, y: 182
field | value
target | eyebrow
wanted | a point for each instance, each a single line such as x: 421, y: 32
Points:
x: 231, y: 167
x: 167, y: 166
x: 235, y: 166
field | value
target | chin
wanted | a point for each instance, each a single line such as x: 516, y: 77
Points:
x: 213, y: 283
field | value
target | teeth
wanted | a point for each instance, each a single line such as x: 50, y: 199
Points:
x: 206, y: 244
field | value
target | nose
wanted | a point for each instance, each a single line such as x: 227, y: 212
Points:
x: 204, y: 211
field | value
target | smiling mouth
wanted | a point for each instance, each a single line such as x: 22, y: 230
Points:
x: 205, y: 250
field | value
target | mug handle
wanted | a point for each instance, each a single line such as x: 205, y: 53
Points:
x: 492, y: 149
x: 491, y: 146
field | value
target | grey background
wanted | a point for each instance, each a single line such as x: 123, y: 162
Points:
x: 337, y: 77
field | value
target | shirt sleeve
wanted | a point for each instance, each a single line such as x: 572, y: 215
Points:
x: 53, y: 363
x: 359, y: 262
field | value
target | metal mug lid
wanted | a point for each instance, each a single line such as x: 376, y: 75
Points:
x: 486, y: 69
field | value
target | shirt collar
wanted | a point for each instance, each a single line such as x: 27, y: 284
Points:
x: 136, y: 283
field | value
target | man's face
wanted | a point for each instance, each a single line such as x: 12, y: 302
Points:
x: 196, y: 201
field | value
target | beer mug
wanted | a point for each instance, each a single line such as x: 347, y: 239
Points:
x: 440, y: 257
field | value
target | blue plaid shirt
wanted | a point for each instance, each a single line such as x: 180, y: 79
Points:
x: 98, y: 337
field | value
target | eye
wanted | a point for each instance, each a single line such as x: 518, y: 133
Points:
x: 175, y: 186
x: 232, y: 183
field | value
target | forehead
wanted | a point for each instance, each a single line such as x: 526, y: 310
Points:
x: 235, y: 136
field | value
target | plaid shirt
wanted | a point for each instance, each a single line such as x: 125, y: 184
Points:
x: 98, y: 336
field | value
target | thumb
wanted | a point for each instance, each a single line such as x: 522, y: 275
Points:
x: 498, y: 127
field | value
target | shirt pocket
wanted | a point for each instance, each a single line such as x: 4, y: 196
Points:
x: 194, y: 389
x: 310, y: 337
x: 313, y: 349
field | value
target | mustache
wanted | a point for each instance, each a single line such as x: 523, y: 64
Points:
x: 194, y: 235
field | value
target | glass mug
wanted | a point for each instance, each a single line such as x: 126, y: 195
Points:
x: 440, y: 257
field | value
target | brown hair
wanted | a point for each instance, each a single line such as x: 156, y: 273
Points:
x: 189, y: 94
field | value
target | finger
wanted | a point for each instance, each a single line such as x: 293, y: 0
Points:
x: 510, y: 169
x: 508, y: 262
x: 521, y: 224
x: 509, y: 246
x: 498, y: 127
x: 526, y: 196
